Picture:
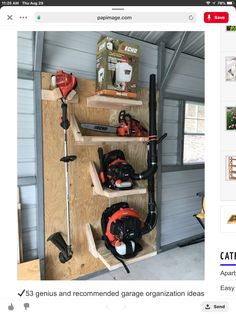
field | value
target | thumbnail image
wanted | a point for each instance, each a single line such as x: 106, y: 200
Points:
x: 231, y: 168
x: 231, y: 28
x: 230, y: 68
x: 231, y: 118
x: 228, y: 219
x: 232, y: 219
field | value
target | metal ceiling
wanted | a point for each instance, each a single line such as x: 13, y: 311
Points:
x: 194, y: 45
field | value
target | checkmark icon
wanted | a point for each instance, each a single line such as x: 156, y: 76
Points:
x: 20, y: 294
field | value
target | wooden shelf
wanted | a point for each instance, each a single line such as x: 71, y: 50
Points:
x: 107, y: 102
x: 98, y: 140
x: 98, y: 189
x: 98, y: 250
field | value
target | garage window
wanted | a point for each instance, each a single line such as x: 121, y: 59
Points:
x: 194, y: 133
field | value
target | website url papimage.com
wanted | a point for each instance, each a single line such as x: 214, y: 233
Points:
x: 114, y: 18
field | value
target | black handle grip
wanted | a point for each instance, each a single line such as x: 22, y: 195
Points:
x: 65, y: 123
x: 161, y: 138
x: 68, y: 158
x: 152, y: 89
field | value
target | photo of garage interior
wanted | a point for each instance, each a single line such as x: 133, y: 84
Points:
x: 110, y: 158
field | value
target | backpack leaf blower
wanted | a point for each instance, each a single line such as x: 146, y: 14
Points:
x: 121, y: 225
x: 115, y: 171
x: 66, y: 83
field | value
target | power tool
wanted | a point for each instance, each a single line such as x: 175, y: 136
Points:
x: 128, y: 126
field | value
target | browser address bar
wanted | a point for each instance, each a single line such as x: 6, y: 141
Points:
x: 137, y: 17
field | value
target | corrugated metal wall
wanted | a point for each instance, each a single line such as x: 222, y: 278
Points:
x: 76, y: 52
x: 26, y: 144
x: 179, y: 204
x: 170, y: 126
x: 179, y: 200
x: 187, y: 77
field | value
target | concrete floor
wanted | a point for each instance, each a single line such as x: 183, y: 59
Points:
x: 185, y: 263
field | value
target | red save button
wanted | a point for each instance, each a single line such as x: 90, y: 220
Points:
x: 216, y: 17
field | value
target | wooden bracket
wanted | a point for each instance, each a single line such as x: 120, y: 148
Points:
x: 55, y: 94
x: 99, y: 140
x: 98, y: 189
x: 98, y: 250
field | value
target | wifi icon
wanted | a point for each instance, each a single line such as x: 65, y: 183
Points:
x: 208, y: 2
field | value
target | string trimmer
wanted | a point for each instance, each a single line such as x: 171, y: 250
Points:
x: 66, y: 83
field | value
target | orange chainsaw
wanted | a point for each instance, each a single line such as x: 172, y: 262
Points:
x: 128, y: 126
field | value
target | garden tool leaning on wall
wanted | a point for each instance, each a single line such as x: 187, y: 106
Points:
x: 66, y: 83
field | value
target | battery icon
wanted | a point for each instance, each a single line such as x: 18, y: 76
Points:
x: 229, y: 2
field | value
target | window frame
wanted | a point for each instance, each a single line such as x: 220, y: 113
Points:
x: 183, y: 133
x: 180, y: 165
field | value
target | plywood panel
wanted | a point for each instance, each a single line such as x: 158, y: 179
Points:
x: 29, y: 270
x: 85, y: 207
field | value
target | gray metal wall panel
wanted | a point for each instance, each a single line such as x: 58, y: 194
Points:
x: 29, y: 217
x: 76, y: 52
x: 179, y: 204
x: 171, y: 113
x: 169, y: 159
x: 29, y: 222
x: 26, y: 150
x: 30, y: 254
x: 26, y: 35
x: 28, y: 195
x: 187, y: 77
x: 25, y: 101
x: 180, y: 190
x: 26, y: 145
x: 187, y: 65
x: 26, y: 169
x: 182, y: 176
x: 194, y: 44
x: 176, y: 207
x: 25, y: 84
x: 25, y: 126
x: 87, y: 41
x: 30, y: 244
x: 179, y: 200
x: 170, y: 126
x: 170, y: 147
x: 25, y: 53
